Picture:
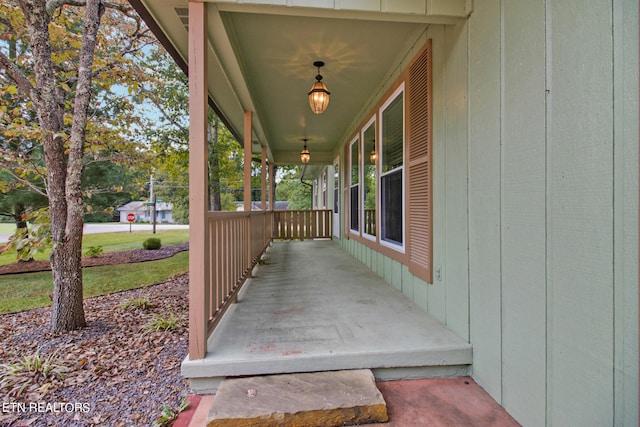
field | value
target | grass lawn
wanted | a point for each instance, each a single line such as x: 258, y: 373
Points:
x: 112, y: 242
x: 20, y: 292
x: 7, y: 228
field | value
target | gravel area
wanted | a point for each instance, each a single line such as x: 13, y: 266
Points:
x: 112, y: 373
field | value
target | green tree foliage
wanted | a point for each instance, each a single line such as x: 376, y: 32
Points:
x: 110, y: 144
x: 63, y: 65
x: 167, y: 131
x: 290, y: 188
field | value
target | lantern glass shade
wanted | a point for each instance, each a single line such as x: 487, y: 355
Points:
x: 305, y: 156
x: 318, y: 97
x: 373, y: 156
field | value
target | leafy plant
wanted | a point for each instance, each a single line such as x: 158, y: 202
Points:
x: 37, y: 369
x: 28, y: 242
x: 161, y: 323
x: 142, y: 303
x: 94, y: 251
x: 169, y: 415
x: 152, y: 243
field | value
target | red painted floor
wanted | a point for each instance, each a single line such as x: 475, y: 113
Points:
x: 410, y: 403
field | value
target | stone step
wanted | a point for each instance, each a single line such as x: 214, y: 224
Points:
x: 319, y: 399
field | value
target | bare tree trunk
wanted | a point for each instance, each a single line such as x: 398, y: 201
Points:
x: 63, y: 172
x: 214, y: 169
x: 19, y: 215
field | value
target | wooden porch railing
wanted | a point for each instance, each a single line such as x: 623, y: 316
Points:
x: 302, y: 224
x: 236, y: 240
x: 370, y: 221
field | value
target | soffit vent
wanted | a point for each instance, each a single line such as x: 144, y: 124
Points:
x: 183, y: 15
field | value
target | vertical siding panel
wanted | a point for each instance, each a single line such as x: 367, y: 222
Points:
x: 407, y: 282
x: 456, y: 229
x: 420, y: 294
x: 436, y: 293
x: 580, y: 186
x: 626, y: 212
x: 379, y: 264
x: 484, y: 197
x: 523, y: 211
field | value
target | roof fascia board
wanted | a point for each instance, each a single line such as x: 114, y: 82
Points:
x: 339, y: 13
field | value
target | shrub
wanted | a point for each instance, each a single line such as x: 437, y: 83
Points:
x: 15, y: 377
x: 152, y: 243
x: 94, y: 251
x: 161, y: 323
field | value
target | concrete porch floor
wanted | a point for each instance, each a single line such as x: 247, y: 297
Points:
x: 313, y: 307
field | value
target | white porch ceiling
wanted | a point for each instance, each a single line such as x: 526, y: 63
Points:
x: 261, y: 60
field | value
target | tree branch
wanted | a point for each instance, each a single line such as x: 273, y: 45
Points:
x: 163, y: 112
x: 23, y: 180
x: 16, y: 75
x: 52, y: 5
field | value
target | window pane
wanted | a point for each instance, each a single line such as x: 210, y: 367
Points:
x: 355, y: 158
x: 369, y: 179
x: 392, y: 134
x: 355, y: 212
x: 391, y: 199
x: 355, y: 187
x: 336, y: 188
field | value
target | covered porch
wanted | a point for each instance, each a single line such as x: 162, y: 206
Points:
x: 310, y: 306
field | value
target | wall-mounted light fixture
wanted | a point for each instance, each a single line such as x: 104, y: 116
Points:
x: 318, y: 95
x: 305, y: 156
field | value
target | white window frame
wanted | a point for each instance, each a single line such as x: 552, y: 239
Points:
x: 372, y: 121
x: 390, y: 244
x: 356, y: 141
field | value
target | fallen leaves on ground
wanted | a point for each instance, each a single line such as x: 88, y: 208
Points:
x: 116, y: 374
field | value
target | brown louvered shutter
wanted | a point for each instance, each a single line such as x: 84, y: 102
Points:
x: 420, y: 200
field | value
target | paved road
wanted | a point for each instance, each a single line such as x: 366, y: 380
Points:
x: 113, y: 227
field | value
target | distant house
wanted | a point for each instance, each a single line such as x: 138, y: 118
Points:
x: 164, y: 212
x: 257, y: 206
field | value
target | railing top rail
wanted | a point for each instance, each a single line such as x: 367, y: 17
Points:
x: 302, y: 210
x: 233, y: 214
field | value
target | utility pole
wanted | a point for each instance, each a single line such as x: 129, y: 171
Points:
x: 152, y: 200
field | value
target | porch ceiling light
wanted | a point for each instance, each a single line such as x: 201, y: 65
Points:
x: 373, y: 156
x: 305, y: 156
x: 318, y: 95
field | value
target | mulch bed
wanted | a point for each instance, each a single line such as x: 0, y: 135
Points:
x: 109, y: 258
x: 116, y: 373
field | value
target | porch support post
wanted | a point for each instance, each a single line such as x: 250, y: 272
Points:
x: 272, y: 186
x: 263, y: 169
x: 247, y: 161
x: 198, y: 155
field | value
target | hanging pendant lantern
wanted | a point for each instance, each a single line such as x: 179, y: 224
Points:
x: 305, y: 156
x: 318, y: 95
